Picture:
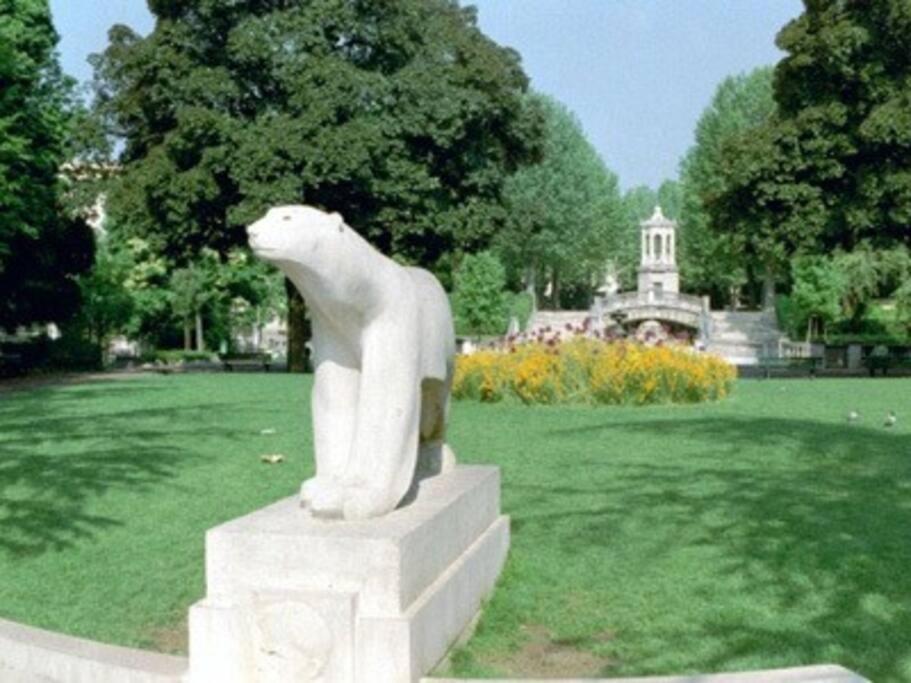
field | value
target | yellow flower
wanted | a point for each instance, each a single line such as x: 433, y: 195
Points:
x: 584, y: 370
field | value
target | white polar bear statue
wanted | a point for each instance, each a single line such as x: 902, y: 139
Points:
x: 383, y: 349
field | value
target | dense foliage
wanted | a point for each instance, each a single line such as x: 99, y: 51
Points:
x: 107, y: 302
x: 565, y: 212
x: 832, y: 167
x: 839, y: 293
x: 584, y: 370
x: 711, y: 260
x: 41, y: 249
x: 404, y: 117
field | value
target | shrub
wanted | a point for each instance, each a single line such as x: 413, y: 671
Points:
x: 816, y: 293
x: 789, y: 318
x: 903, y: 306
x: 521, y: 307
x: 585, y: 370
x: 175, y: 356
x: 479, y: 297
x: 71, y: 352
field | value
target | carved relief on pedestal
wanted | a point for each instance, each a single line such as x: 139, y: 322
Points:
x: 292, y: 642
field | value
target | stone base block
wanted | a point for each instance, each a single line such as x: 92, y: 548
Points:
x: 294, y: 598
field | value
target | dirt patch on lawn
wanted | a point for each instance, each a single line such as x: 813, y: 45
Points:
x: 172, y: 640
x: 543, y: 656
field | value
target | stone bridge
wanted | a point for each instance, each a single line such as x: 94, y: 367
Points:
x: 669, y: 307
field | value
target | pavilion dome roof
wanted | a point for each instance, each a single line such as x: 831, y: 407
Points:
x: 658, y: 220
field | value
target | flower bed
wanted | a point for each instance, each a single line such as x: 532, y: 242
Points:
x: 588, y: 370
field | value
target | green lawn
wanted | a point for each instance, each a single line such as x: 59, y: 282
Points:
x: 762, y: 531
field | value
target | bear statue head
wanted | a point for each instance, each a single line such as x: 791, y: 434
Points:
x: 293, y: 233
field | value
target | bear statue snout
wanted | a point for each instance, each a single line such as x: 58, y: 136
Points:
x: 255, y: 237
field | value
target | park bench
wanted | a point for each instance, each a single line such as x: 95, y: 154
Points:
x: 246, y: 361
x: 770, y: 363
x: 885, y: 363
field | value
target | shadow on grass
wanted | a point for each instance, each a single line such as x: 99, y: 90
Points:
x: 817, y: 515
x: 60, y: 449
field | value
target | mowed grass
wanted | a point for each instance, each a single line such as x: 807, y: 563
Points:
x: 758, y: 532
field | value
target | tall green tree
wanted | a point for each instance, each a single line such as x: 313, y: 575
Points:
x: 565, y: 211
x: 402, y: 116
x: 832, y: 168
x: 249, y: 294
x: 817, y: 292
x: 106, y: 303
x: 41, y: 248
x: 193, y: 287
x: 710, y: 260
x: 670, y: 198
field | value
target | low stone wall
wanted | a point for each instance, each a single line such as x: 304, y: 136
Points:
x: 31, y: 655
x: 803, y: 674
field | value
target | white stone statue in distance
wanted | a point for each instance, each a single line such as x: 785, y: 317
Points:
x: 383, y: 349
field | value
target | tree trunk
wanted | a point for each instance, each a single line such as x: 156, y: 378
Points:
x: 187, y: 335
x: 555, y: 292
x: 809, y: 329
x: 530, y: 287
x: 733, y: 295
x: 200, y: 340
x: 298, y: 330
x: 258, y: 331
x: 768, y: 289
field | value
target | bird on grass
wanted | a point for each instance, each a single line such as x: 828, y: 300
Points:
x: 853, y: 416
x: 890, y: 419
x: 272, y: 459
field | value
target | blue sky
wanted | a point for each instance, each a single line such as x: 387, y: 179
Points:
x: 637, y: 73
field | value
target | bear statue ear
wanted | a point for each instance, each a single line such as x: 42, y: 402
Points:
x: 339, y: 221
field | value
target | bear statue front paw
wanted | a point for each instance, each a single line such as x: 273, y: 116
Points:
x: 364, y: 502
x: 324, y: 496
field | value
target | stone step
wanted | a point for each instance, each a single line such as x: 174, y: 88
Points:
x: 737, y: 354
x: 744, y: 324
x: 744, y: 315
x: 755, y: 334
x: 557, y: 319
x: 742, y: 337
x: 739, y: 337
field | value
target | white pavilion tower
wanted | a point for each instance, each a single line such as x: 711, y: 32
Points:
x: 658, y: 269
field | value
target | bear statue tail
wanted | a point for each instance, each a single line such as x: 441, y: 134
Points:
x: 434, y: 458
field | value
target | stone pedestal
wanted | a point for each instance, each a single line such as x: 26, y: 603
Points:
x: 293, y: 598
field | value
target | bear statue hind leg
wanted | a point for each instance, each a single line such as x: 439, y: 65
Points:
x: 434, y: 456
